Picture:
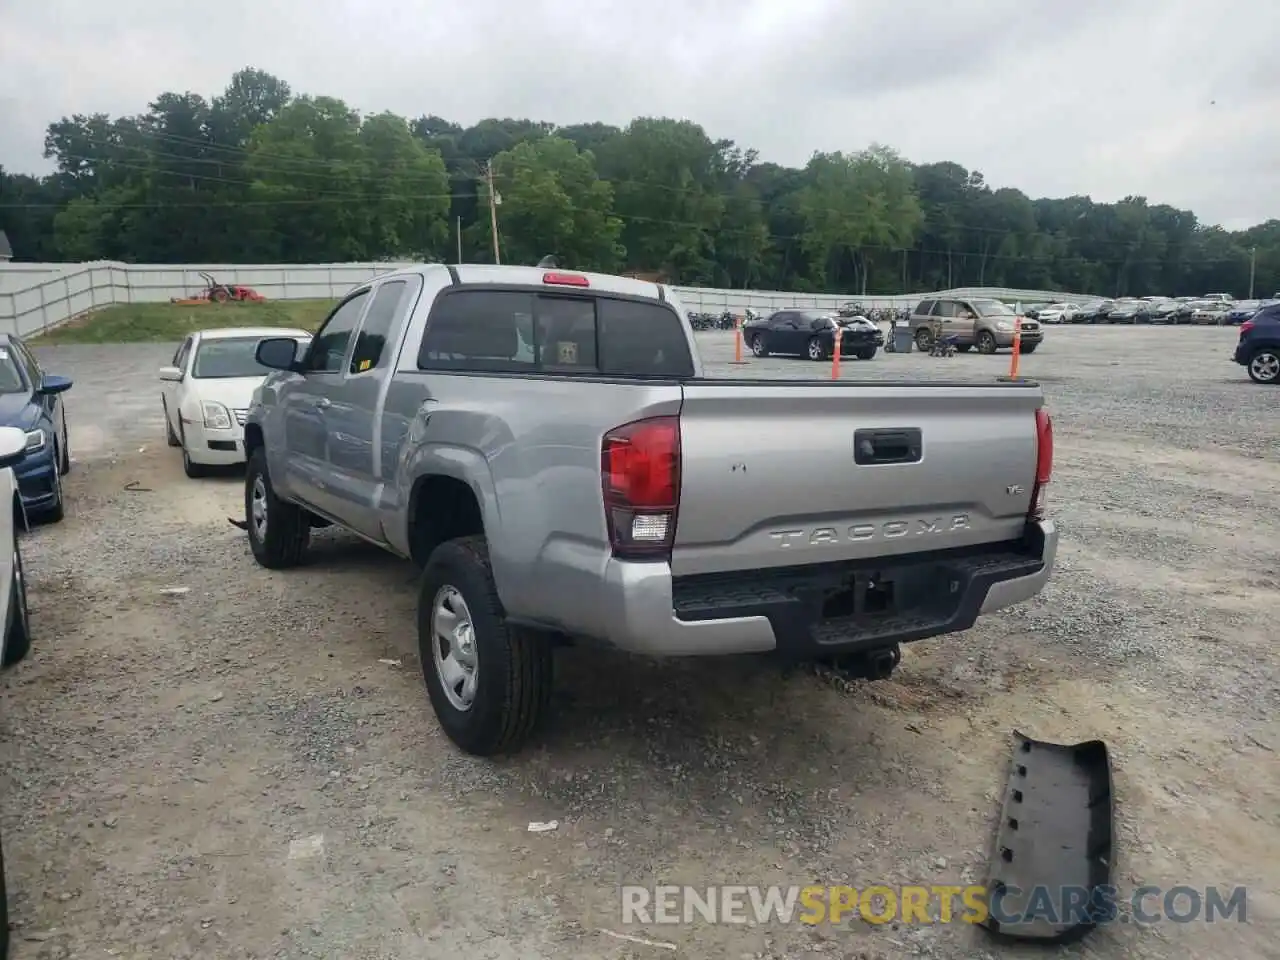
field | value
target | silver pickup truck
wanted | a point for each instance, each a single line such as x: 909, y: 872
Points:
x: 546, y: 446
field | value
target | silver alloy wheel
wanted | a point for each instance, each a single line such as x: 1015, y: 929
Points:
x: 815, y: 350
x: 258, y: 508
x: 453, y: 648
x: 1265, y: 367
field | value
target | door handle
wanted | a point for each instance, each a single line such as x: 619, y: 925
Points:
x: 887, y: 446
x: 324, y: 403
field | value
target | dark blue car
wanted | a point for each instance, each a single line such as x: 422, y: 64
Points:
x: 1258, y: 348
x: 31, y: 400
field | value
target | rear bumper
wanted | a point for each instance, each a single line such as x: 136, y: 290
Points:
x: 788, y: 610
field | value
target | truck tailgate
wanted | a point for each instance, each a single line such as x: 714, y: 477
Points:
x: 770, y: 472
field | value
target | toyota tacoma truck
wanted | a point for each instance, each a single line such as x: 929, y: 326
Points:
x: 546, y: 446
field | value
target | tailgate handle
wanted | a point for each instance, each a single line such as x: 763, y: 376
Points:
x: 887, y: 446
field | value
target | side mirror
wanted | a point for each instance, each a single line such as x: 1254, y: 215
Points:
x: 55, y: 384
x: 170, y: 373
x: 13, y: 446
x: 277, y: 353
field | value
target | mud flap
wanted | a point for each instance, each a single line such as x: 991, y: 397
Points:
x: 1051, y: 870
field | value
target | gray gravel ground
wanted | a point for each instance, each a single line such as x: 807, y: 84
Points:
x: 251, y: 769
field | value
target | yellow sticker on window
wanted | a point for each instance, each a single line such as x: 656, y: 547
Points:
x: 365, y: 365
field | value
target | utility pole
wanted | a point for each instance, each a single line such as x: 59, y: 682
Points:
x: 1253, y: 266
x: 493, y: 211
x: 458, y: 230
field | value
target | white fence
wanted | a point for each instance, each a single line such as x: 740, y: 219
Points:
x: 20, y: 276
x: 56, y: 292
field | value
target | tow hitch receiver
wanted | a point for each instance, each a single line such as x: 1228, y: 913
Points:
x: 1051, y: 869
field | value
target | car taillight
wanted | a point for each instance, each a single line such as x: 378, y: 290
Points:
x: 1044, y: 464
x: 1246, y: 327
x: 640, y: 480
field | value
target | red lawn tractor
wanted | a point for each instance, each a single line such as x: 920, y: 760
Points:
x: 215, y: 292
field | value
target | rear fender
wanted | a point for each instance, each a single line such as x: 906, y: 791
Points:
x: 459, y: 463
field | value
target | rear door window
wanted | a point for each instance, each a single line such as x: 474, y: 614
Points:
x: 514, y: 331
x: 924, y: 308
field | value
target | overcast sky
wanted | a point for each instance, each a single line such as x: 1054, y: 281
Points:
x: 1177, y: 100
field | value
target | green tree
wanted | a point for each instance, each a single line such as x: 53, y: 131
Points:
x: 258, y: 174
x: 553, y: 203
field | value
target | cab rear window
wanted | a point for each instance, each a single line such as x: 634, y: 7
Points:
x: 519, y: 331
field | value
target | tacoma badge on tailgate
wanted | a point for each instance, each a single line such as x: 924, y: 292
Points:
x: 861, y: 532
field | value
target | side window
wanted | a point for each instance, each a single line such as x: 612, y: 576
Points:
x: 779, y: 319
x: 924, y: 308
x: 821, y: 323
x: 330, y: 344
x: 480, y: 330
x: 641, y: 339
x: 946, y: 308
x: 180, y: 358
x: 371, y: 341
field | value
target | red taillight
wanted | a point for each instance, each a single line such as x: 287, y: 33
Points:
x: 1246, y: 327
x: 566, y: 279
x: 1044, y: 463
x: 640, y: 480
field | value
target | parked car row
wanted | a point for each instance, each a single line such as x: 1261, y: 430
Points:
x: 34, y: 456
x: 1210, y: 311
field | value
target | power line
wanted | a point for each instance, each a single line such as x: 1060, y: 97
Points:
x: 331, y: 167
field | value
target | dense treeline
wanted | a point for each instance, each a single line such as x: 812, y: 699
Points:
x: 260, y: 175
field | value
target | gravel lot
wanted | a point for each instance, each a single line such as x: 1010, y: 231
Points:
x: 167, y: 762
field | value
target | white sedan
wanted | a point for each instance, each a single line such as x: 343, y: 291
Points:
x: 207, y: 391
x: 1058, y: 313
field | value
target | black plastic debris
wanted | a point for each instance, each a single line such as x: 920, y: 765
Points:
x: 1051, y: 870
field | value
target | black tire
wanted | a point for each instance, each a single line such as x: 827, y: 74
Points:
x: 987, y: 342
x: 1264, y: 365
x: 815, y: 350
x: 758, y: 347
x: 924, y: 339
x: 281, y: 539
x: 64, y: 462
x: 17, y: 641
x: 867, y: 353
x: 170, y: 437
x: 192, y: 469
x: 512, y: 666
x: 58, y: 510
x: 1029, y: 348
x: 964, y: 347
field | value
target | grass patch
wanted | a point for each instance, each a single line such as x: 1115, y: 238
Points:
x: 170, y: 322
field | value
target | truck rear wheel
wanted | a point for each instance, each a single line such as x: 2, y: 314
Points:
x: 278, y: 531
x: 489, y: 682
